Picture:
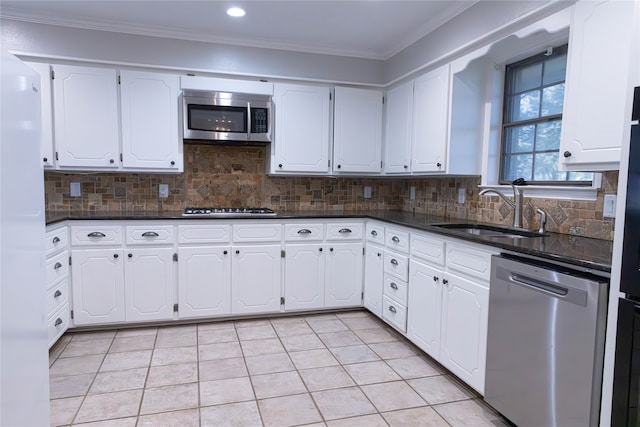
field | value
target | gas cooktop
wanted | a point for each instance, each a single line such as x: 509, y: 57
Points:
x: 228, y: 212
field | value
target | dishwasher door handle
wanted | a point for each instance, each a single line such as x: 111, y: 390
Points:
x: 567, y: 293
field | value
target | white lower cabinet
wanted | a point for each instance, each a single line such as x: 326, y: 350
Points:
x: 343, y: 284
x: 425, y: 307
x: 204, y: 281
x: 98, y: 286
x: 149, y: 278
x: 304, y: 276
x: 373, y: 278
x: 255, y: 279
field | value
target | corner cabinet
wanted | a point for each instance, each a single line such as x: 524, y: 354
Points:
x: 357, y: 130
x: 46, y: 138
x: 597, y: 84
x: 302, y: 125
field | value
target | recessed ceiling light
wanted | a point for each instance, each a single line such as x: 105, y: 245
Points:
x: 235, y: 12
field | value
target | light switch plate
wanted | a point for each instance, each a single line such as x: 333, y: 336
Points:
x: 367, y: 192
x: 75, y: 189
x: 412, y: 193
x: 164, y: 191
x: 609, y: 210
x: 461, y: 195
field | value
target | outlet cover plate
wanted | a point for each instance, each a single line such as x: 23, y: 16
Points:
x: 367, y: 192
x: 164, y: 191
x: 412, y: 193
x: 75, y: 189
x: 609, y: 209
x: 461, y: 195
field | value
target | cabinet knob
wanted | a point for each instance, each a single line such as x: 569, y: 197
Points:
x: 57, y: 266
x: 172, y: 163
x: 394, y: 261
x: 439, y: 165
x: 115, y: 255
x: 445, y: 281
x: 330, y: 249
x: 280, y: 165
x: 374, y: 233
x: 406, y: 166
x: 111, y: 161
x: 58, y: 322
x: 320, y: 249
x: 225, y: 252
x: 393, y: 286
x: 379, y: 254
x: 57, y: 294
x: 339, y: 166
x: 395, y: 239
x: 567, y: 154
x: 237, y: 252
x: 435, y: 278
x: 56, y: 240
x: 392, y: 309
x: 130, y: 255
x: 44, y: 159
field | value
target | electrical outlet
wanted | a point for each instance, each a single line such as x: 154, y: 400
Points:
x: 461, y: 195
x: 164, y: 191
x: 75, y: 190
x: 609, y: 209
x: 367, y: 192
x: 412, y: 193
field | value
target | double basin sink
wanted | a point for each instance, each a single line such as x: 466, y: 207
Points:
x: 486, y: 230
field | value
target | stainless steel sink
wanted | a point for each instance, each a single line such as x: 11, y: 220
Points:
x: 490, y: 230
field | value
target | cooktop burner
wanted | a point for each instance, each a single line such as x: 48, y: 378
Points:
x: 228, y: 212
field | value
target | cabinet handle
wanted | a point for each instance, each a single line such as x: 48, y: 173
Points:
x: 44, y: 159
x: 379, y: 254
x: 225, y: 252
x: 280, y: 165
x: 394, y: 261
x: 57, y: 266
x: 57, y: 294
x: 130, y: 255
x: 445, y: 281
x: 567, y: 154
x: 345, y: 230
x: 58, y: 322
x: 115, y: 256
x: 330, y: 249
x: 394, y: 286
x: 304, y: 231
x: 374, y: 233
x: 150, y: 234
x: 395, y: 239
x: 439, y: 165
x: 237, y: 252
x: 435, y: 278
x: 339, y: 166
x: 319, y: 249
x: 172, y: 163
x: 56, y: 240
x: 392, y: 309
x: 96, y: 234
x: 406, y: 166
x: 111, y: 161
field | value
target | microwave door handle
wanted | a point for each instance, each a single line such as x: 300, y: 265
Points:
x: 248, y: 120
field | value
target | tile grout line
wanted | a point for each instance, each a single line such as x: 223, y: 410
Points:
x: 146, y: 379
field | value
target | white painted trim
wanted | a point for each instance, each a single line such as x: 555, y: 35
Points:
x: 553, y: 192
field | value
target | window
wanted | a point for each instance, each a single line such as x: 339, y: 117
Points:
x: 532, y: 120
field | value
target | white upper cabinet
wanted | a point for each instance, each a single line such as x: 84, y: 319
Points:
x: 86, y: 117
x: 302, y: 124
x: 149, y: 108
x: 597, y: 84
x: 357, y: 133
x: 398, y: 126
x: 430, y: 121
x: 46, y: 139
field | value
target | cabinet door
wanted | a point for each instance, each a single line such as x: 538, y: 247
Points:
x: 301, y: 128
x: 343, y: 284
x: 357, y: 130
x: 149, y: 108
x: 149, y: 283
x: 430, y: 121
x: 598, y: 64
x: 464, y: 329
x: 98, y: 286
x: 304, y: 277
x: 46, y: 138
x: 85, y: 104
x: 398, y: 125
x: 425, y: 307
x: 255, y: 279
x: 204, y: 281
x: 373, y: 279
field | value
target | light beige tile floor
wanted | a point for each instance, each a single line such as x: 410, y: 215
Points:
x: 337, y: 369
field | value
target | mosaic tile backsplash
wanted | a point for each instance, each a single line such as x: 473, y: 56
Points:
x: 235, y: 176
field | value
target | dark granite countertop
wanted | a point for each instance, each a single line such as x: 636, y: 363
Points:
x: 580, y: 251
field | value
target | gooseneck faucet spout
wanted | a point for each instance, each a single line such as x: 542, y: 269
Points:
x: 516, y: 204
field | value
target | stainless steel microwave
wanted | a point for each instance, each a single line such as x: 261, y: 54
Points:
x: 226, y: 118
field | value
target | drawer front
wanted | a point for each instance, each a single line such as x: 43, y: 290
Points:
x: 57, y: 297
x: 55, y: 241
x: 57, y: 268
x: 396, y: 265
x: 395, y: 314
x: 302, y: 232
x: 397, y: 240
x: 428, y: 249
x: 257, y: 233
x: 204, y: 233
x: 140, y: 235
x: 86, y: 235
x: 395, y: 289
x: 470, y: 261
x: 58, y: 324
x: 375, y: 233
x: 346, y: 231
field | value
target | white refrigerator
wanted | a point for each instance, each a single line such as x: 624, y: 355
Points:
x: 24, y: 359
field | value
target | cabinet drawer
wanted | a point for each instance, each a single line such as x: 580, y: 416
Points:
x: 471, y: 261
x: 57, y: 268
x: 300, y: 232
x: 346, y: 231
x: 395, y: 289
x: 428, y: 249
x: 86, y: 235
x: 397, y: 265
x: 57, y: 297
x: 395, y: 314
x: 58, y: 324
x: 397, y: 240
x: 141, y: 235
x: 204, y: 233
x: 55, y: 241
x: 257, y: 233
x: 375, y: 233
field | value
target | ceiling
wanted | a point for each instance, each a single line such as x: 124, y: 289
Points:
x: 374, y: 29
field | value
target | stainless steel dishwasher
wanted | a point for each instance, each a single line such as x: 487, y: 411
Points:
x: 545, y: 343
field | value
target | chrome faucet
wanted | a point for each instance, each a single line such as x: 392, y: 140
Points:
x: 516, y: 204
x: 543, y: 220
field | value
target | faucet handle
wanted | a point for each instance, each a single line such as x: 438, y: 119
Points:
x: 543, y: 220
